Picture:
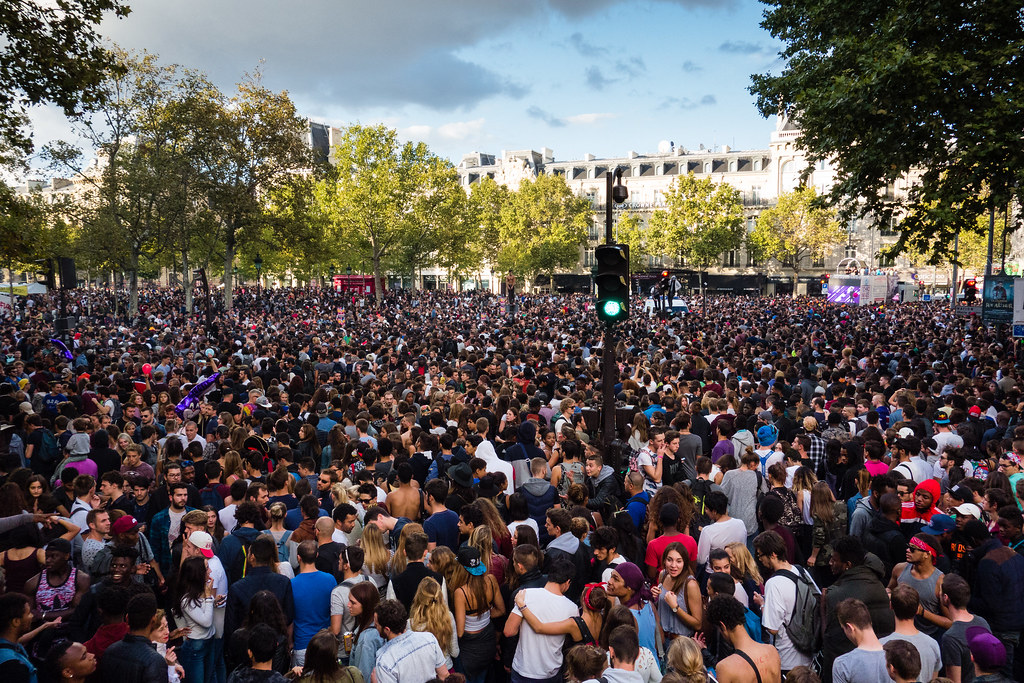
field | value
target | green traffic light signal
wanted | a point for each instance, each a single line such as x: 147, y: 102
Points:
x: 612, y: 280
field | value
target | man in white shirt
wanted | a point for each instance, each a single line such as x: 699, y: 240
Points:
x: 539, y: 657
x: 944, y: 436
x: 780, y: 592
x: 407, y: 656
x: 723, y: 530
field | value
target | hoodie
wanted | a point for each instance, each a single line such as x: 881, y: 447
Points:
x: 523, y: 451
x: 603, y: 490
x: 911, y: 517
x: 862, y: 516
x: 541, y: 496
x: 485, y: 451
x: 232, y: 545
x: 741, y: 440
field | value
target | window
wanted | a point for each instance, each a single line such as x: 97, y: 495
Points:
x: 889, y: 230
x: 885, y: 261
x: 588, y: 258
x: 732, y: 259
x: 707, y: 167
x: 850, y: 251
x: 818, y: 262
x: 732, y: 166
x: 755, y: 195
x: 751, y: 224
x: 757, y: 164
x: 751, y: 261
x: 595, y: 230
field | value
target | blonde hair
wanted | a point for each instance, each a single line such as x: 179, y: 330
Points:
x: 743, y: 562
x: 482, y: 540
x: 233, y: 465
x: 684, y: 656
x: 640, y: 425
x: 823, y: 503
x: 430, y: 614
x: 400, y: 561
x: 339, y: 493
x: 376, y: 556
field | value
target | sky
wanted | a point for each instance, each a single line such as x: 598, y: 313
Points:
x: 577, y: 76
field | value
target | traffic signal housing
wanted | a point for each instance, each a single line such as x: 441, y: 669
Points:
x: 612, y: 282
x: 970, y: 290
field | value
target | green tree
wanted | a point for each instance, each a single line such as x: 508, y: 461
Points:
x: 259, y: 144
x: 795, y: 229
x: 50, y: 52
x: 543, y: 225
x: 20, y: 226
x: 487, y: 201
x: 930, y: 90
x: 371, y: 192
x: 448, y: 218
x: 703, y: 221
x: 629, y: 231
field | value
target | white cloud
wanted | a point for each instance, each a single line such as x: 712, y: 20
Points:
x: 587, y: 119
x: 461, y: 130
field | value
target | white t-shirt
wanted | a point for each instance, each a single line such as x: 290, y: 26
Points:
x: 540, y: 656
x: 339, y: 602
x: 647, y: 459
x: 772, y: 458
x: 220, y: 587
x: 779, y: 604
x: 227, y: 517
x: 606, y: 575
x: 719, y: 535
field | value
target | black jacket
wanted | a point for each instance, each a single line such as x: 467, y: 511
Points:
x: 241, y: 592
x: 603, y: 495
x: 865, y: 584
x: 407, y: 582
x: 133, y: 660
x: 884, y: 538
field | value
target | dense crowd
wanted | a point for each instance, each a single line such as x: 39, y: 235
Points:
x: 328, y: 488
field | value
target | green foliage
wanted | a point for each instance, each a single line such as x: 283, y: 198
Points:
x: 704, y: 220
x: 628, y: 230
x: 885, y: 90
x: 542, y: 227
x: 50, y: 52
x: 795, y: 229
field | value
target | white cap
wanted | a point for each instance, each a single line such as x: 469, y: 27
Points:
x: 906, y: 431
x: 969, y: 509
x: 203, y: 541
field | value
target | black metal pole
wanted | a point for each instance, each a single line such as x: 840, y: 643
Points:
x: 609, y: 365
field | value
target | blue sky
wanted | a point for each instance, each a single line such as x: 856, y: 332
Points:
x: 578, y: 76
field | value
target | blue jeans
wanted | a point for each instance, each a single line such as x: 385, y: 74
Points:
x: 196, y: 658
x: 220, y: 674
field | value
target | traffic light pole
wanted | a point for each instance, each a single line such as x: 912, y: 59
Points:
x: 609, y: 364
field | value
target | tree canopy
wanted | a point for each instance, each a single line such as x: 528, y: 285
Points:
x: 884, y: 91
x: 795, y: 229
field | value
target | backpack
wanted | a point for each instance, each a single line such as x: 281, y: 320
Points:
x: 700, y: 489
x: 753, y: 625
x: 804, y: 627
x: 116, y: 412
x: 50, y: 451
x: 240, y: 565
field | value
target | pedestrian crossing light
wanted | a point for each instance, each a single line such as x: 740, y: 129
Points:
x: 612, y: 282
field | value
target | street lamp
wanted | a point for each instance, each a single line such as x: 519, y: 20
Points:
x: 258, y: 263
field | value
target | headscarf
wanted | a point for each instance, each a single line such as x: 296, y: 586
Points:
x: 634, y: 580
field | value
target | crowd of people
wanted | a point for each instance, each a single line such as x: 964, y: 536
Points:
x: 333, y: 489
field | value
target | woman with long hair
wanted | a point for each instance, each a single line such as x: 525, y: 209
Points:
x: 628, y: 585
x: 744, y: 568
x: 829, y: 524
x: 366, y: 640
x: 399, y: 561
x: 680, y: 609
x: 321, y: 663
x: 308, y: 446
x: 194, y: 604
x: 647, y: 664
x: 430, y: 614
x: 335, y: 448
x: 233, y: 470
x: 237, y: 437
x: 376, y: 556
x: 582, y: 629
x: 39, y: 498
x: 685, y: 659
x: 630, y: 545
x: 804, y: 480
x: 638, y: 434
x: 499, y: 530
x: 214, y: 527
x: 476, y: 604
x: 444, y: 562
x: 524, y: 534
x: 483, y: 541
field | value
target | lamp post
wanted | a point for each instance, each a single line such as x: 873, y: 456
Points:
x: 258, y: 263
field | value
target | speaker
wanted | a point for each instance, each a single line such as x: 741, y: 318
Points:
x: 68, y: 276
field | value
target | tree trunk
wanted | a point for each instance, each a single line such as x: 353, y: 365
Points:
x: 189, y: 282
x: 133, y: 284
x: 377, y: 282
x: 229, y: 259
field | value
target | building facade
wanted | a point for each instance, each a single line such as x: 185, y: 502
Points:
x: 760, y: 176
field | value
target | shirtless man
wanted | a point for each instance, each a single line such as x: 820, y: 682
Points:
x: 725, y: 612
x: 405, y: 501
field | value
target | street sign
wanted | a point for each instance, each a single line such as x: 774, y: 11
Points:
x: 964, y: 311
x: 926, y: 297
x: 1018, y: 330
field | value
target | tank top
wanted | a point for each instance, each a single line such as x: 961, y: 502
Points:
x: 670, y: 621
x: 926, y: 591
x: 56, y: 597
x: 475, y: 621
x: 18, y: 572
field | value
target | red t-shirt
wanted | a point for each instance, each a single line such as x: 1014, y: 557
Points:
x: 656, y: 548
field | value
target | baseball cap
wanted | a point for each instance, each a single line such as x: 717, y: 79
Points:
x: 987, y: 651
x: 905, y: 432
x: 321, y: 410
x: 203, y: 541
x: 939, y: 525
x: 969, y: 509
x: 469, y: 558
x: 941, y: 417
x: 962, y: 493
x: 124, y: 524
x: 974, y: 411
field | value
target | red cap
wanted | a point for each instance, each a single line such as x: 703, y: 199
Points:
x: 974, y: 411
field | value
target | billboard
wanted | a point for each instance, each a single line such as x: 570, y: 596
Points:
x: 844, y: 294
x: 997, y: 298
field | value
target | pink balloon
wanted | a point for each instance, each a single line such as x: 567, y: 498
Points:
x: 147, y: 369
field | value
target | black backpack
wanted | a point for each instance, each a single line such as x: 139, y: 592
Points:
x: 240, y: 565
x: 700, y: 489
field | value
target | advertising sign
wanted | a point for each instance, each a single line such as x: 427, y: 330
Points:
x: 997, y: 299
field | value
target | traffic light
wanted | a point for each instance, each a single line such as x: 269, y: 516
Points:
x: 970, y: 290
x: 612, y: 281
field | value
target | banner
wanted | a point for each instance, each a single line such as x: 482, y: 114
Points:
x: 997, y: 299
